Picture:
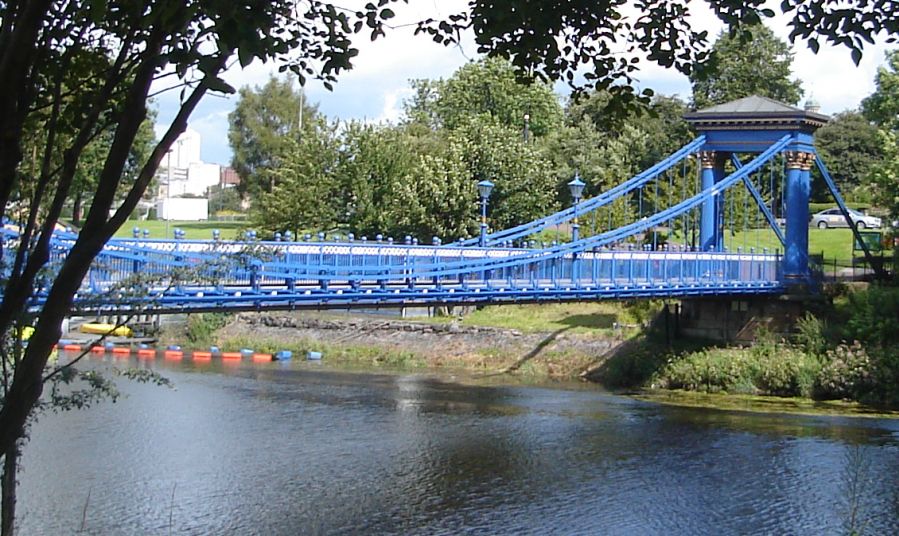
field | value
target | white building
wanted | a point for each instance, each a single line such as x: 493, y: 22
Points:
x: 183, y: 173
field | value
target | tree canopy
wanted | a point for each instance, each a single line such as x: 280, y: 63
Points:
x: 264, y: 124
x: 882, y: 106
x: 755, y: 62
x: 851, y: 148
x: 608, y: 41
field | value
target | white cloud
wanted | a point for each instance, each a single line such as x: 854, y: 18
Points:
x: 393, y: 104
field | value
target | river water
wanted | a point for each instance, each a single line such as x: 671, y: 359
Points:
x: 292, y: 448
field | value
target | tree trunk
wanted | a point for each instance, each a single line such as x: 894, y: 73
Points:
x: 76, y: 209
x: 8, y: 491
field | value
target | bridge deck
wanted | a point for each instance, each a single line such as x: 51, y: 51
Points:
x: 223, y: 276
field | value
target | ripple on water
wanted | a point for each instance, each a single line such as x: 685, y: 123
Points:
x: 266, y: 450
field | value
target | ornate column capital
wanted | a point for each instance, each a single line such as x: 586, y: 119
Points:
x: 800, y: 160
x: 707, y: 159
x: 712, y: 159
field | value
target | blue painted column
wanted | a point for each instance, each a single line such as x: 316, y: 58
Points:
x: 795, y: 260
x: 709, y: 226
x: 718, y: 172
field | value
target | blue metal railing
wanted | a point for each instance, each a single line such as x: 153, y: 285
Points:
x: 206, y: 274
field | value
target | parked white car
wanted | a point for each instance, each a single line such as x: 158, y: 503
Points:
x: 832, y: 217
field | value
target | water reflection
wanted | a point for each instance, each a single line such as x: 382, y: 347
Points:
x: 272, y: 448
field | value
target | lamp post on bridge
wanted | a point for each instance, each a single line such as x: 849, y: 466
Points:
x: 485, y: 187
x: 576, y: 187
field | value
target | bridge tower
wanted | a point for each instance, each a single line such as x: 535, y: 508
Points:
x: 751, y: 125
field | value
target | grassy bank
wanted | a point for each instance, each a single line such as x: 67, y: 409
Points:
x: 490, y: 360
x: 193, y: 230
x: 597, y: 318
x: 336, y: 353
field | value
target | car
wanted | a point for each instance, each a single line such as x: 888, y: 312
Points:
x: 833, y: 217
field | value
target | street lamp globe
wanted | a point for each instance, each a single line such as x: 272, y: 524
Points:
x: 576, y: 187
x: 485, y: 187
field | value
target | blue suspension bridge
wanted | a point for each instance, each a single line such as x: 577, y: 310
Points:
x: 668, y: 232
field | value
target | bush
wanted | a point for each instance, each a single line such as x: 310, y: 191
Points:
x: 767, y: 368
x: 642, y: 311
x: 873, y: 313
x: 201, y: 327
x: 810, y: 335
x: 848, y: 373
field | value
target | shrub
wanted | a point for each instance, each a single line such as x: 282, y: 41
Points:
x: 786, y: 372
x: 201, y: 327
x: 767, y: 368
x: 810, y: 335
x: 873, y: 313
x: 847, y: 373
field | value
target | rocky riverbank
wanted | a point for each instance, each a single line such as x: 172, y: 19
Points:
x: 379, y: 341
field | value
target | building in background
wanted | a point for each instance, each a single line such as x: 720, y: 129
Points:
x: 229, y: 178
x: 184, y: 180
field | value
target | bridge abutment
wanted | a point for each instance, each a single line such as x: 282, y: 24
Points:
x: 740, y: 319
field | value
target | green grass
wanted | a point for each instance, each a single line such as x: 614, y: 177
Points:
x: 834, y: 244
x: 572, y: 317
x: 193, y: 230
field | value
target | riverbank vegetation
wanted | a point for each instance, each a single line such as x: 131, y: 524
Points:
x: 845, y: 351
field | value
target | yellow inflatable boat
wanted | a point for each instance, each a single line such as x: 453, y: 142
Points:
x: 96, y: 328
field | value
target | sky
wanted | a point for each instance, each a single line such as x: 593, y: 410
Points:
x: 375, y: 88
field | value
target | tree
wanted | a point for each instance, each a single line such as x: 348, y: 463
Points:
x: 524, y: 185
x: 882, y: 106
x: 603, y: 44
x: 885, y: 175
x: 377, y: 163
x: 851, y: 148
x: 755, y: 62
x: 262, y: 127
x: 438, y: 198
x: 224, y: 199
x: 305, y: 195
x: 487, y: 87
x: 82, y: 69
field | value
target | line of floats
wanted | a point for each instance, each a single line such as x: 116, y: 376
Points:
x: 175, y: 352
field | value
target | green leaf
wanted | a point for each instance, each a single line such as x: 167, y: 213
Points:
x: 217, y: 84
